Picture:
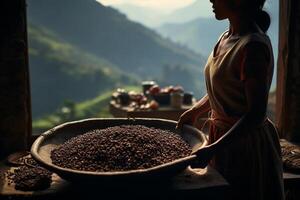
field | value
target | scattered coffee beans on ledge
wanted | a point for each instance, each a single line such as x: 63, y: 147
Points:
x: 30, y: 177
x: 120, y: 148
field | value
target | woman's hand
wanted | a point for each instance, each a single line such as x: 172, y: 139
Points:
x: 204, y: 155
x: 188, y: 117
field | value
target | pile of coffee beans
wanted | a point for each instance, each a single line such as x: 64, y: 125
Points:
x: 120, y: 148
x: 30, y: 177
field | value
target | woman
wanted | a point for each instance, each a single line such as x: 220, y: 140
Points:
x: 243, y: 143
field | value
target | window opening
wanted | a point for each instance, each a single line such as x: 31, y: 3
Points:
x: 81, y: 51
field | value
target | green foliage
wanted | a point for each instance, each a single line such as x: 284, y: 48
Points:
x: 85, y: 48
x: 46, y: 44
x: 105, y: 32
x: 61, y: 71
x: 70, y: 111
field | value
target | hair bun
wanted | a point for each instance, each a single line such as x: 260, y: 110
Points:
x: 263, y: 20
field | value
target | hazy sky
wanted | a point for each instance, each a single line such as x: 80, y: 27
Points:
x: 163, y: 5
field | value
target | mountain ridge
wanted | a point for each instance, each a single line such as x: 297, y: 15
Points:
x: 123, y: 42
x: 79, y: 35
x: 200, y: 34
x: 59, y: 71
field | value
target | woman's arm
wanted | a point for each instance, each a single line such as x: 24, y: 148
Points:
x: 200, y: 109
x: 202, y: 106
x: 255, y: 76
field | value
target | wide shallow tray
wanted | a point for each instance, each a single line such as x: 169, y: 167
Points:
x: 46, y: 142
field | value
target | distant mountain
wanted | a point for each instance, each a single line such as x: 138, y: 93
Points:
x: 146, y: 16
x: 60, y: 71
x: 155, y: 18
x: 201, y: 33
x: 105, y: 32
x: 199, y: 8
x: 203, y: 9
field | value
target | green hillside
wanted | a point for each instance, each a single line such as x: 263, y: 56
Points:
x: 70, y: 111
x: 99, y: 107
x: 105, y: 32
x: 60, y: 71
x: 81, y: 48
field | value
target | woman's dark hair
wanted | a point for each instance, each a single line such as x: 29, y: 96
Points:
x: 253, y: 9
x: 263, y: 20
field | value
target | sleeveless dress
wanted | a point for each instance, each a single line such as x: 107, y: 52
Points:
x: 252, y: 163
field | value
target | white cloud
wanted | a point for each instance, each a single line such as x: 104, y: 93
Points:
x: 167, y: 5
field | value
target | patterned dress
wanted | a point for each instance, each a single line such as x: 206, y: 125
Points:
x: 251, y: 163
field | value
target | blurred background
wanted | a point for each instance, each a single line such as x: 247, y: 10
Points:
x: 83, y: 50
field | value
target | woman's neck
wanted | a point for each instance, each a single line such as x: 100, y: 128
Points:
x: 239, y: 26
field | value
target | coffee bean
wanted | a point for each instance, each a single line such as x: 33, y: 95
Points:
x: 29, y: 177
x: 120, y: 148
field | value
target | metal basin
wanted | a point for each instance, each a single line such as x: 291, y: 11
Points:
x: 46, y: 142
